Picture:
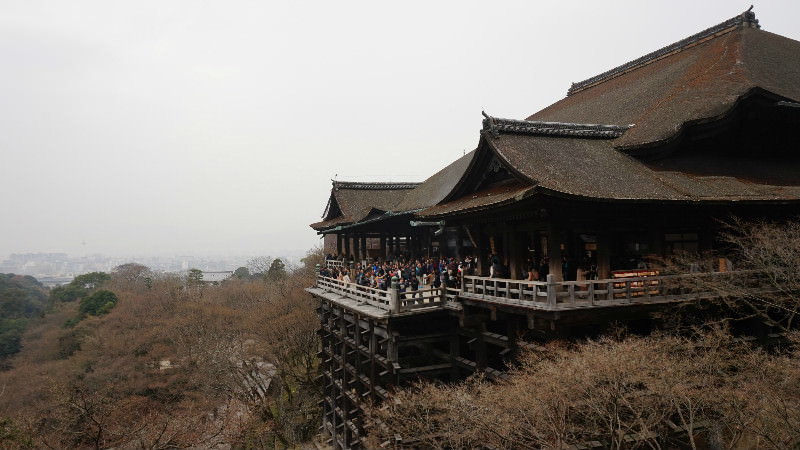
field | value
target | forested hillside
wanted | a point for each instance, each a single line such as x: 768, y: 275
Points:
x: 134, y: 359
x: 21, y: 298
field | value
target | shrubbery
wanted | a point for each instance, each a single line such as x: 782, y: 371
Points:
x: 99, y: 303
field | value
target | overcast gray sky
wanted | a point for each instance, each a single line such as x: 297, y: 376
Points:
x: 214, y: 128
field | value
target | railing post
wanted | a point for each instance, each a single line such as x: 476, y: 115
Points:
x: 394, y: 296
x: 317, y: 270
x: 551, y: 290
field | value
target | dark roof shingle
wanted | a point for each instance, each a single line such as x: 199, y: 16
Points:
x: 702, y: 81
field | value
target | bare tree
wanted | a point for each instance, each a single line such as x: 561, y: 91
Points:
x: 654, y: 392
x: 766, y: 280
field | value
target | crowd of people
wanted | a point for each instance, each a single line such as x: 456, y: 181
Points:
x: 412, y: 274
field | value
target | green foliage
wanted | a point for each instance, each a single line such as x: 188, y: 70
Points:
x: 195, y: 277
x: 277, y: 270
x: 91, y: 280
x: 68, y: 293
x: 11, y: 436
x: 71, y: 323
x: 21, y: 298
x: 99, y: 303
x: 242, y: 273
x: 11, y: 331
x: 79, y: 287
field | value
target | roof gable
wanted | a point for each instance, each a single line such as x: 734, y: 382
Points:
x: 701, y: 77
x: 352, y: 202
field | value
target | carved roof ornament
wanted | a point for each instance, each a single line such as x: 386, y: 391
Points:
x: 745, y: 19
x: 495, y: 126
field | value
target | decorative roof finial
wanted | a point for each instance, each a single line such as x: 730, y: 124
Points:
x: 488, y: 124
x: 749, y: 18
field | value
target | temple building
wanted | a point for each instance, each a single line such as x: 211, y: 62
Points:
x: 636, y: 162
x: 632, y: 165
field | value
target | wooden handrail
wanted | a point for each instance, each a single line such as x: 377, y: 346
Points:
x: 545, y: 295
x: 551, y: 294
x: 389, y: 300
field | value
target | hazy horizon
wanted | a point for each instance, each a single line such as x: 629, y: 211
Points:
x: 210, y: 128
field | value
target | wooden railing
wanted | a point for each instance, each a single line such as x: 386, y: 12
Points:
x: 553, y: 295
x: 391, y: 300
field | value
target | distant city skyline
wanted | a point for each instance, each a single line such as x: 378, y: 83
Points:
x: 207, y: 128
x: 59, y: 268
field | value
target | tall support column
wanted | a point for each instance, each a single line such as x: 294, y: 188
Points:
x: 356, y: 247
x: 373, y: 349
x: 455, y: 352
x: 604, y: 255
x: 364, y: 251
x: 555, y: 238
x: 391, y: 245
x: 339, y: 244
x: 384, y: 253
x: 515, y: 259
x: 341, y: 392
x: 459, y: 244
x: 481, y: 254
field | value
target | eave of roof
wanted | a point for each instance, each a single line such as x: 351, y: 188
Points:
x: 479, y: 201
x: 594, y: 169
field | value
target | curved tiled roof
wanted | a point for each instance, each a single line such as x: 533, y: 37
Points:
x: 435, y: 189
x: 747, y: 18
x: 484, y: 199
x: 595, y: 169
x: 355, y: 200
x: 690, y: 83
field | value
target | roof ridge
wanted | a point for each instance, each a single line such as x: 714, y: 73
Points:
x: 495, y: 126
x: 379, y: 185
x: 747, y: 18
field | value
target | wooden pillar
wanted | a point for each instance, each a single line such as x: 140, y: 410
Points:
x: 339, y: 244
x: 455, y: 352
x: 356, y: 247
x: 343, y: 403
x: 391, y: 245
x: 428, y: 238
x: 364, y: 251
x: 373, y: 349
x: 481, y: 254
x: 604, y: 255
x: 555, y: 238
x: 458, y: 251
x: 515, y: 259
x: 383, y: 251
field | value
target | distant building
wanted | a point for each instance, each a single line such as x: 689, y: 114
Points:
x: 217, y: 277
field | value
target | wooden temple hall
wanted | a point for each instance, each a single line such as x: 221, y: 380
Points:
x: 630, y: 166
